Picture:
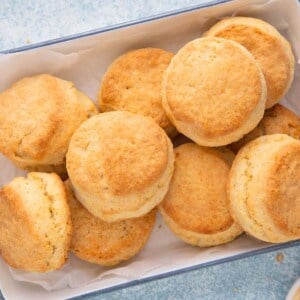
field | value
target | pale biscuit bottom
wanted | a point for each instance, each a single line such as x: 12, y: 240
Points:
x: 201, y: 239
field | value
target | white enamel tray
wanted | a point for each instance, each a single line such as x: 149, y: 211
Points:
x: 83, y: 59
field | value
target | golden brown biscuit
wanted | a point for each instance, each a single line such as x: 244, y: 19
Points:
x: 277, y: 119
x: 35, y: 223
x: 106, y: 243
x: 214, y: 91
x: 271, y: 50
x: 196, y: 206
x: 133, y: 83
x: 264, y: 189
x: 120, y: 165
x: 38, y: 116
x: 90, y: 110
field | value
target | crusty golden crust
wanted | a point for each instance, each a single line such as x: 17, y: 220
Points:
x: 261, y: 39
x: 122, y: 149
x: 133, y: 83
x: 283, y: 188
x: 35, y: 223
x: 196, y: 206
x: 263, y: 188
x: 38, y: 116
x: 118, y: 162
x: 277, y: 119
x: 214, y: 91
x: 106, y: 243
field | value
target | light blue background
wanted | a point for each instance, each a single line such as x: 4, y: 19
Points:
x: 261, y: 277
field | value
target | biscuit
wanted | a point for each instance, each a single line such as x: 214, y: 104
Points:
x: 120, y: 165
x: 272, y: 51
x: 214, y: 91
x: 106, y: 243
x: 38, y: 116
x: 90, y: 110
x: 277, y: 119
x: 196, y: 207
x: 35, y: 223
x: 133, y: 83
x: 264, y: 189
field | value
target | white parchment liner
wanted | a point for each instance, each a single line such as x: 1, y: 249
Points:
x: 84, y: 62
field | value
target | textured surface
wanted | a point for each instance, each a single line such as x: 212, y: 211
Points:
x: 34, y: 213
x: 214, y: 91
x: 196, y: 207
x: 28, y: 22
x: 120, y: 165
x: 277, y: 119
x: 106, y: 243
x: 133, y: 83
x: 259, y: 277
x: 261, y: 39
x: 263, y: 188
x: 54, y: 103
x: 265, y: 277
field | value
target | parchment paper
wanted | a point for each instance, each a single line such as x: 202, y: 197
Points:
x: 84, y: 62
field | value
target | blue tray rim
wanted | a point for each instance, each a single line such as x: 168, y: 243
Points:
x: 114, y: 27
x: 120, y: 26
x: 132, y: 283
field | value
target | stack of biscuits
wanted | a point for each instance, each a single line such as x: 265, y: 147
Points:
x: 96, y: 179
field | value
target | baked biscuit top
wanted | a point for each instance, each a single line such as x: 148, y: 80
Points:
x: 214, y: 85
x: 37, y: 118
x: 271, y: 50
x: 117, y: 152
x: 196, y: 199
